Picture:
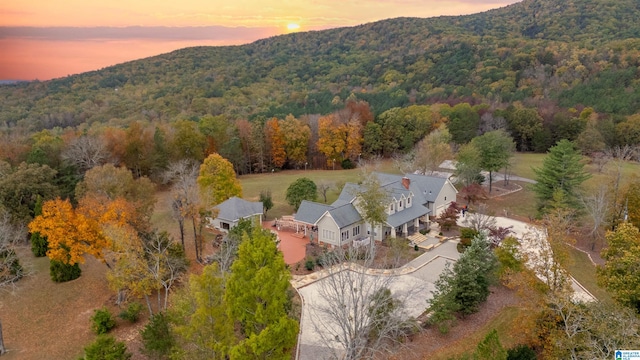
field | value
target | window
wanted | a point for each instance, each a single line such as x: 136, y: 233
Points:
x: 391, y: 207
x: 445, y: 198
x: 356, y: 230
x: 225, y: 225
x: 328, y: 234
x: 345, y: 235
x: 409, y: 201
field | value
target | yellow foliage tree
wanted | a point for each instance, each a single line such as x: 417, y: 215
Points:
x: 70, y: 233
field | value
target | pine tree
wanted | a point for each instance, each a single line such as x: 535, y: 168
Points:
x: 562, y: 171
x: 256, y: 295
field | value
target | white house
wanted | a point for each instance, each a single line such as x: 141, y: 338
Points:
x: 411, y: 199
x: 233, y: 210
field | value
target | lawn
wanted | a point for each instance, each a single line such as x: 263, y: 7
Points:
x: 278, y: 183
x: 584, y: 272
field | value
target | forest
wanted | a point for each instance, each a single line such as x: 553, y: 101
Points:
x: 83, y: 158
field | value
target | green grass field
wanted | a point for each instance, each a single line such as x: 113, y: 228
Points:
x: 278, y: 183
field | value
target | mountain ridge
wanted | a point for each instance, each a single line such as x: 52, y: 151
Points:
x: 531, y: 51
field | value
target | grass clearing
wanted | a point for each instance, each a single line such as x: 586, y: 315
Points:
x: 584, y: 272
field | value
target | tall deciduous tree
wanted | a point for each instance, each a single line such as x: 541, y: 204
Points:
x: 620, y: 273
x: 113, y: 182
x: 301, y: 189
x: 21, y: 187
x: 217, y: 180
x: 372, y: 201
x: 433, y: 150
x: 86, y: 152
x: 562, y: 171
x: 188, y: 142
x: 256, y: 294
x: 275, y: 143
x: 495, y: 149
x: 468, y: 166
x: 296, y: 137
x: 332, y: 139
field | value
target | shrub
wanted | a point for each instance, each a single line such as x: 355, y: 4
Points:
x: 347, y: 164
x: 39, y: 245
x: 61, y: 272
x: 157, y: 337
x: 132, y: 312
x: 415, y: 247
x: 105, y: 347
x: 309, y: 264
x: 468, y: 234
x: 521, y: 352
x: 102, y: 321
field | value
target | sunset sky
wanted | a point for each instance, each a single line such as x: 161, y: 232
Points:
x: 44, y: 39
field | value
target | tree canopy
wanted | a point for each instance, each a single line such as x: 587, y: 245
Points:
x: 301, y: 189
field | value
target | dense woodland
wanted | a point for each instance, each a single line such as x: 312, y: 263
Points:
x: 88, y: 151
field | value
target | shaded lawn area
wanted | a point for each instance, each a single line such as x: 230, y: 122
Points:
x: 47, y: 320
x: 520, y: 205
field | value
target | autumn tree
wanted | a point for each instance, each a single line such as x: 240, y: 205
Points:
x: 332, y: 139
x: 114, y: 182
x: 433, y: 150
x: 70, y: 233
x: 138, y: 148
x: 296, y: 136
x: 619, y: 273
x: 372, y: 201
x: 185, y: 193
x: 562, y: 171
x: 188, y: 142
x: 449, y: 217
x: 301, y: 189
x: 217, y: 180
x: 275, y: 143
x: 256, y: 294
x: 523, y: 124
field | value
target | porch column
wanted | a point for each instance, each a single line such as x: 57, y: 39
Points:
x: 405, y: 229
x: 393, y: 231
x: 416, y: 223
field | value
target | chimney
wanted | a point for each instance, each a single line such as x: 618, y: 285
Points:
x: 406, y: 182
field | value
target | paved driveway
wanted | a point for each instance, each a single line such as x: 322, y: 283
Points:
x: 412, y: 283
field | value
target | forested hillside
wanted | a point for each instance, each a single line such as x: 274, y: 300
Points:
x: 568, y: 52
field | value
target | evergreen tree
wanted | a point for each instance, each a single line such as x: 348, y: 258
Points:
x: 256, y: 295
x: 462, y: 288
x: 490, y: 348
x: 562, y: 172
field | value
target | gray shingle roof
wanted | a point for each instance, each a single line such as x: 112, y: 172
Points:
x: 406, y: 215
x: 345, y: 215
x: 309, y: 212
x: 235, y: 208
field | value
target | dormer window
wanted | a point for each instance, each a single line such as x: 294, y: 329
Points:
x: 391, y: 207
x: 408, y: 201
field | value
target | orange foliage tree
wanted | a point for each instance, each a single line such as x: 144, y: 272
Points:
x: 70, y: 233
x: 332, y: 138
x: 275, y: 143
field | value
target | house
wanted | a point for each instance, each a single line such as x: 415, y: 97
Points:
x: 233, y: 210
x: 412, y: 198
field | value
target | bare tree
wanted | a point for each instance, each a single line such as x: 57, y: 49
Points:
x: 3, y: 350
x: 324, y: 186
x: 10, y: 234
x: 358, y: 315
x: 480, y: 220
x: 164, y: 264
x: 183, y: 176
x: 597, y: 207
x: 86, y: 152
